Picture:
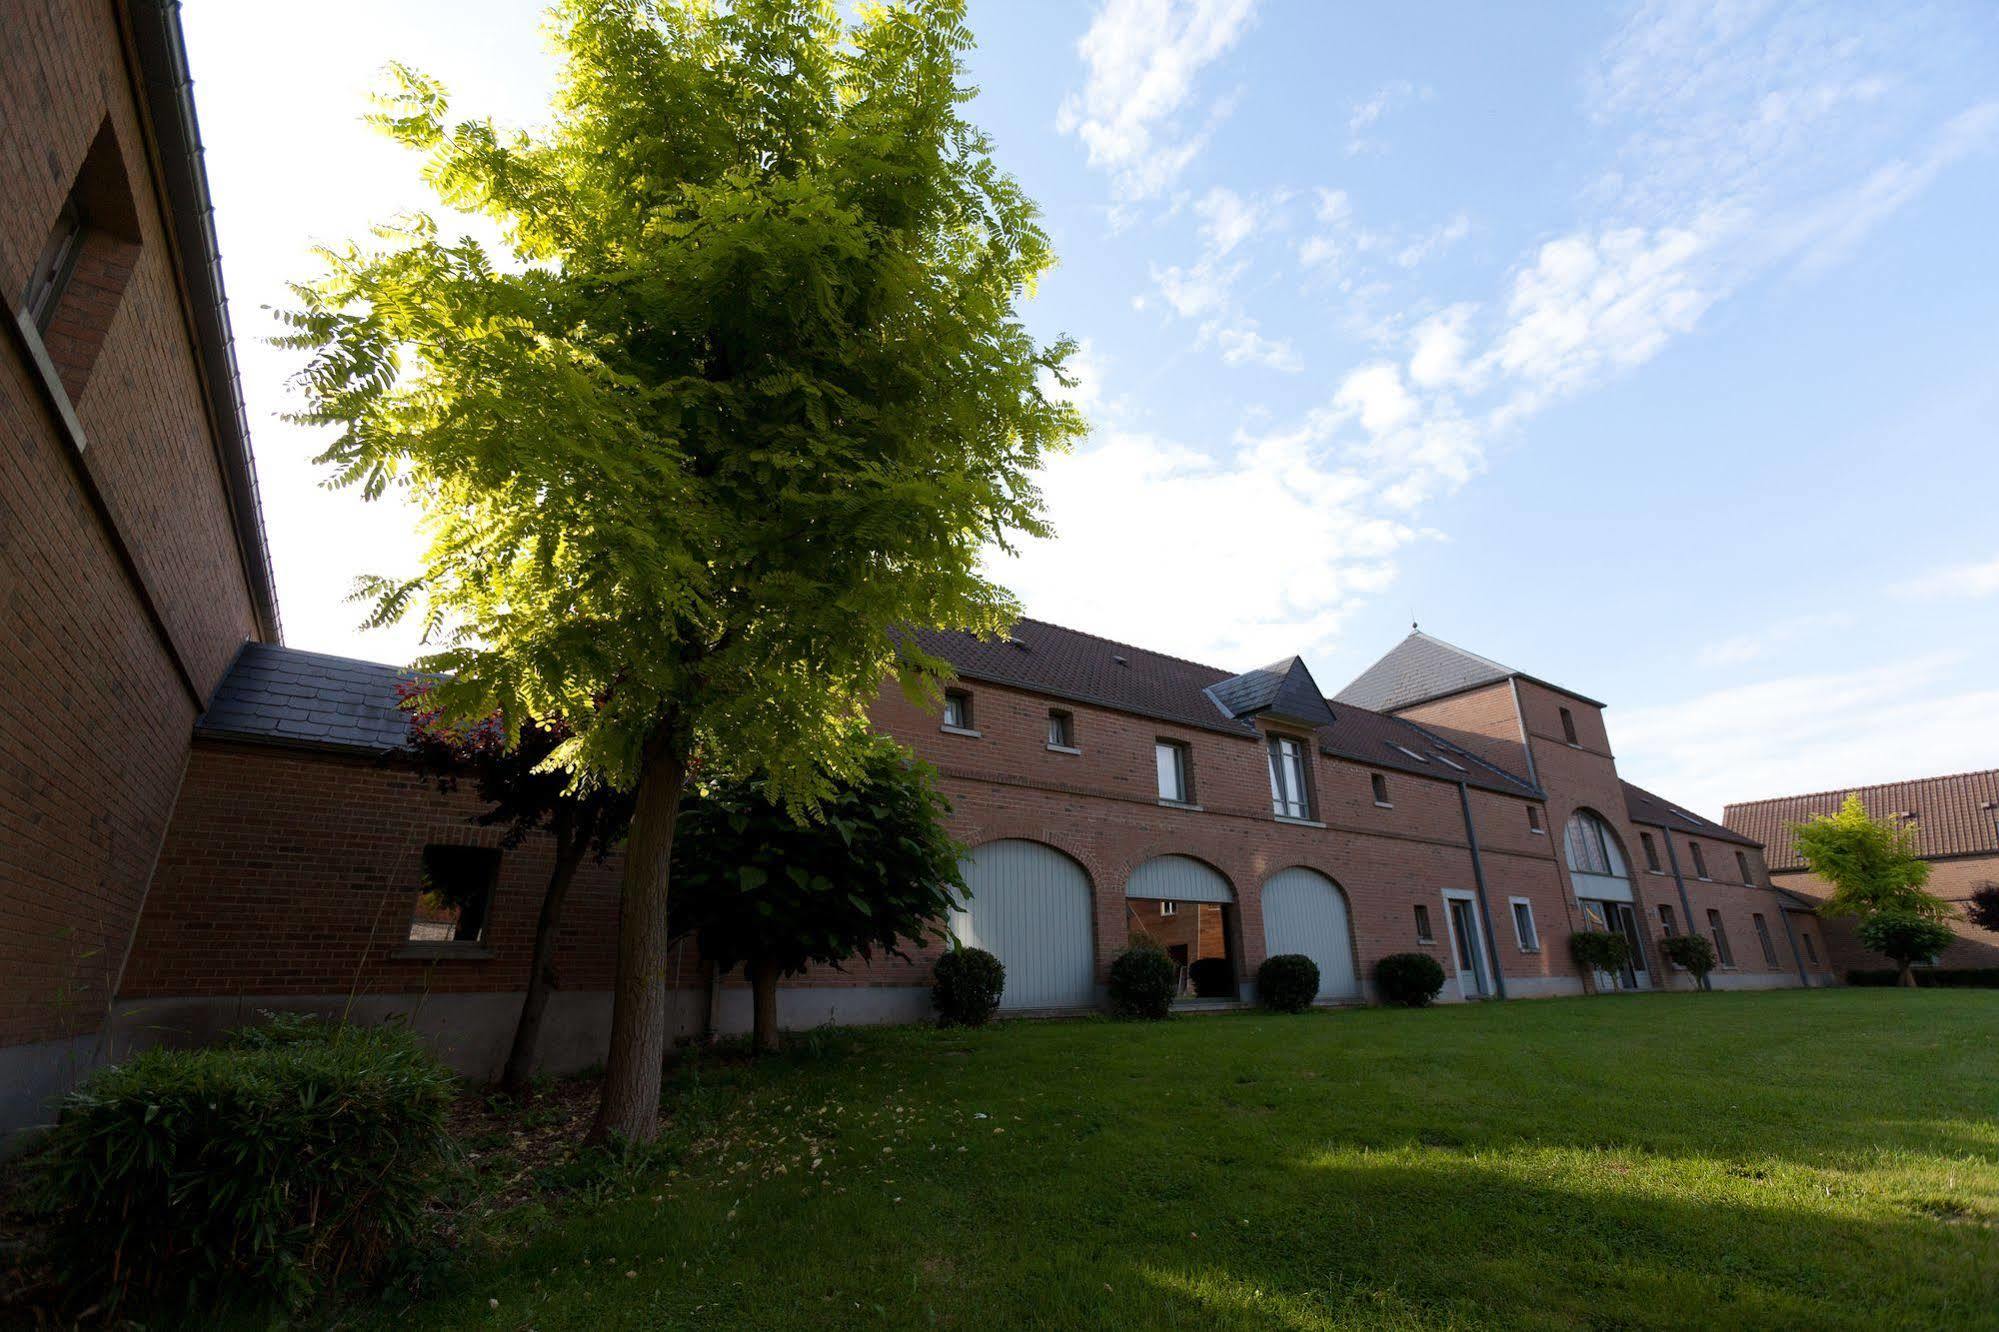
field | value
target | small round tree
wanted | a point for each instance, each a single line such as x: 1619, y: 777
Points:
x: 874, y: 870
x: 1691, y: 951
x: 1983, y: 909
x: 1600, y: 950
x: 1905, y: 938
x: 1142, y: 981
x: 1409, y: 979
x: 966, y: 986
x: 1287, y: 982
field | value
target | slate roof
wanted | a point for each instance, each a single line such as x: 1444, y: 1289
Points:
x: 1421, y: 667
x: 1281, y: 689
x: 280, y: 694
x: 1659, y: 812
x: 1957, y: 815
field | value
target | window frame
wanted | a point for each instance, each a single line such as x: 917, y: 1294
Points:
x: 1531, y: 941
x: 1169, y: 908
x: 1537, y: 823
x: 1650, y: 846
x: 1762, y: 928
x: 1378, y: 783
x: 1569, y: 733
x: 1426, y: 930
x: 1742, y: 863
x: 1700, y: 861
x: 1811, y: 949
x: 1300, y: 805
x: 488, y: 862
x: 55, y: 266
x: 1718, y: 931
x: 967, y: 720
x: 1062, y: 731
x: 1183, y: 770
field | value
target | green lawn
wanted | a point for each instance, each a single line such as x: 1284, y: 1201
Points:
x: 1808, y: 1159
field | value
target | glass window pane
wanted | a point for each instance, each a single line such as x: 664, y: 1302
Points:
x: 1167, y: 758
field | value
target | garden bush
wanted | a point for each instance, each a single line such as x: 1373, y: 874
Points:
x: 966, y: 985
x: 1941, y: 978
x: 1213, y: 978
x: 1142, y: 981
x: 1691, y: 951
x: 261, y: 1172
x: 1600, y: 950
x: 1905, y: 937
x: 1288, y: 982
x: 1409, y: 979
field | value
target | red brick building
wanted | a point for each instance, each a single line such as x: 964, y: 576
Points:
x: 1956, y: 824
x: 132, y: 559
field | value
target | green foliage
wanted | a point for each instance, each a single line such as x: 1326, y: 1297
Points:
x: 966, y: 985
x: 258, y: 1172
x: 1942, y: 978
x: 1409, y: 979
x: 874, y: 869
x: 1691, y: 951
x: 1904, y: 937
x: 1983, y: 909
x: 1212, y: 978
x: 1287, y: 982
x: 747, y: 390
x: 1142, y: 982
x: 1600, y: 950
x: 1871, y: 864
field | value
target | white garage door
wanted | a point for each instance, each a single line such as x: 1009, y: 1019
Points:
x: 1304, y: 913
x: 1031, y: 909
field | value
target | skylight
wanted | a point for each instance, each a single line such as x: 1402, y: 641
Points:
x: 1405, y: 749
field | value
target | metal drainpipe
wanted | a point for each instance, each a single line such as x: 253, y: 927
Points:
x: 1686, y: 903
x: 1784, y: 914
x: 1478, y: 878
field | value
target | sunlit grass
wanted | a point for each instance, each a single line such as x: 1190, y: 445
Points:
x: 1816, y: 1159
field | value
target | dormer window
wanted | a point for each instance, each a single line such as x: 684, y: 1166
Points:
x: 1569, y: 727
x: 958, y: 712
x: 1290, y: 789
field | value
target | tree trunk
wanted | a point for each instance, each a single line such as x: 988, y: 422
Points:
x: 629, y: 1107
x: 763, y: 993
x: 1908, y: 977
x: 516, y: 1079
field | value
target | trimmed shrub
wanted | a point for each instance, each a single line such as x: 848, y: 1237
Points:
x: 1905, y: 938
x: 1938, y: 978
x: 1409, y: 979
x: 1691, y: 951
x: 1288, y: 982
x: 255, y: 1173
x: 1213, y: 977
x: 1600, y: 950
x: 966, y: 985
x: 1142, y: 981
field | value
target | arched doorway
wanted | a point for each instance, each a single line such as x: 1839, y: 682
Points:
x: 1305, y: 912
x: 1030, y: 908
x: 1602, y: 879
x: 1186, y: 907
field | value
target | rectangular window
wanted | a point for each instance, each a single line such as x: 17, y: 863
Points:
x: 1061, y: 729
x: 1811, y: 949
x: 1569, y: 726
x: 1667, y: 924
x: 957, y: 709
x: 1380, y: 784
x: 1742, y: 863
x: 1700, y: 861
x: 1176, y: 778
x: 1651, y: 851
x: 1423, y: 932
x: 1763, y: 938
x: 1721, y: 948
x: 1523, y: 926
x: 1169, y: 908
x: 54, y: 267
x: 1290, y: 791
x: 1534, y: 820
x: 457, y: 892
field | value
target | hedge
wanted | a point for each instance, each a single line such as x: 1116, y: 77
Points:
x: 1941, y: 978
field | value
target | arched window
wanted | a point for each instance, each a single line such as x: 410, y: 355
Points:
x: 1592, y: 847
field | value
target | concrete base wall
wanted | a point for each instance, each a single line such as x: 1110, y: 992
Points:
x: 1753, y: 980
x: 1542, y: 987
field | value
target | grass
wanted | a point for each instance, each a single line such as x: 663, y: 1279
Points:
x: 1804, y: 1159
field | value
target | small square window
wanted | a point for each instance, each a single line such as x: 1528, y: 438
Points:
x: 1061, y: 729
x: 1380, y: 784
x: 1534, y: 820
x: 456, y: 896
x: 1423, y: 931
x: 1651, y: 851
x: 1174, y: 765
x: 957, y: 709
x: 1169, y: 908
x: 1523, y: 926
x: 1569, y: 726
x: 1700, y: 861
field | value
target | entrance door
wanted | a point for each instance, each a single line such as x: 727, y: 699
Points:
x: 1625, y: 920
x: 1473, y: 980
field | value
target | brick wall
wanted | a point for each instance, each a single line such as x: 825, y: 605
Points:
x: 1953, y: 880
x: 96, y: 700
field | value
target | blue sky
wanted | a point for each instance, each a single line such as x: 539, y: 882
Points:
x: 1648, y: 349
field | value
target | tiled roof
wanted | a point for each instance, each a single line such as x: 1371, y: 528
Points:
x: 1047, y: 659
x: 1659, y: 812
x: 1420, y: 668
x: 1956, y: 815
x: 274, y: 693
x: 1282, y: 689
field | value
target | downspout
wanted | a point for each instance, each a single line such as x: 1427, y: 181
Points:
x: 1686, y: 903
x: 1478, y: 878
x: 1784, y: 914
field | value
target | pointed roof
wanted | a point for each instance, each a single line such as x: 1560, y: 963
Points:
x: 1283, y: 689
x: 1422, y: 667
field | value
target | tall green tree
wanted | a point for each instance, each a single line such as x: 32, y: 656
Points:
x: 747, y: 389
x: 876, y: 871
x: 1871, y: 864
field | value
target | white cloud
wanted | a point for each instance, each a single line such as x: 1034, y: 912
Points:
x: 1197, y: 290
x: 1438, y: 346
x: 1810, y: 732
x: 1953, y: 581
x: 1374, y: 394
x: 1143, y: 57
x: 1227, y: 219
x: 1742, y: 649
x: 1367, y: 113
x: 1241, y: 344
x: 1433, y: 242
